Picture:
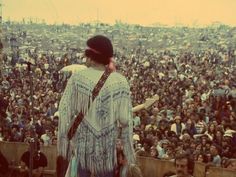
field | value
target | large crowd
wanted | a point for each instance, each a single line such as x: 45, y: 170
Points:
x: 193, y: 70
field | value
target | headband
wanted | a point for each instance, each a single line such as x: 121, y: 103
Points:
x: 93, y: 50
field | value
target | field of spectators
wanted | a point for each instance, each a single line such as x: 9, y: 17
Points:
x: 193, y: 70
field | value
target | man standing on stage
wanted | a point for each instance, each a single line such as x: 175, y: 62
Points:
x: 93, y: 147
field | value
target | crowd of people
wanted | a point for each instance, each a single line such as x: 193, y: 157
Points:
x: 191, y: 69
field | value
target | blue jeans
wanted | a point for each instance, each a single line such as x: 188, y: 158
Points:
x: 87, y: 173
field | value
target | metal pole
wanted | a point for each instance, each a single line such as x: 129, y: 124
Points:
x: 1, y: 36
x: 32, y: 141
x: 31, y: 88
x: 32, y: 146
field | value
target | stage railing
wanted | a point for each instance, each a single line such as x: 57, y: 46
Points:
x: 219, y: 172
x: 150, y: 167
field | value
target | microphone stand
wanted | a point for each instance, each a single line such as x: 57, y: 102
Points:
x: 32, y: 150
x: 31, y: 87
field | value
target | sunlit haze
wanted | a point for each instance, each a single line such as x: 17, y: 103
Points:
x: 143, y: 12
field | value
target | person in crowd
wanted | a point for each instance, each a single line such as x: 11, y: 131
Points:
x: 178, y: 126
x: 183, y: 166
x: 201, y: 157
x: 47, y: 137
x: 154, y: 152
x: 38, y: 158
x: 125, y: 169
x: 162, y: 149
x: 136, y: 120
x: 200, y: 125
x: 211, y: 130
x: 216, y: 159
x: 190, y: 127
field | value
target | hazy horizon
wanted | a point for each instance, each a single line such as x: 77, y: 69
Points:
x: 145, y: 13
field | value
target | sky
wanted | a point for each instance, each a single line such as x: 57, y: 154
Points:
x: 142, y: 12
